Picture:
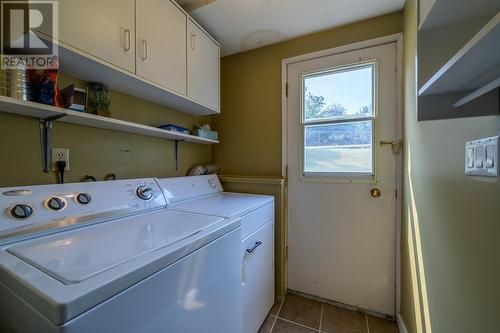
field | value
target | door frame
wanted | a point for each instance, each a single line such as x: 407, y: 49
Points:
x: 395, y: 38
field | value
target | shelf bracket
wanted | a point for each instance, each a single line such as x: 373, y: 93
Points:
x: 176, y: 153
x: 46, y: 141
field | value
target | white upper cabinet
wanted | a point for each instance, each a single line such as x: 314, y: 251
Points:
x: 203, y: 61
x: 161, y: 44
x: 103, y: 29
x: 150, y: 49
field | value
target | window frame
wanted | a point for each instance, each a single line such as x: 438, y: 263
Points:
x: 348, y: 177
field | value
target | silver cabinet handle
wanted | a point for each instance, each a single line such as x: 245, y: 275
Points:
x: 257, y: 244
x: 144, y: 50
x: 126, y: 40
x: 193, y: 41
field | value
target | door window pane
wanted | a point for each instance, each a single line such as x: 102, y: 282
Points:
x: 343, y: 93
x: 338, y: 122
x: 340, y: 147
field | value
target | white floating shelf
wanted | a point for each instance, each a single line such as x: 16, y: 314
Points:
x: 31, y: 109
x: 439, y: 13
x: 476, y: 93
x: 473, y: 66
x: 91, y: 69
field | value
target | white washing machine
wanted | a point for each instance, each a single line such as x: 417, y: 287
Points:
x: 109, y: 257
x: 205, y: 195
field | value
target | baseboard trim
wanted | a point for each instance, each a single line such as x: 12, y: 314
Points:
x: 401, y: 324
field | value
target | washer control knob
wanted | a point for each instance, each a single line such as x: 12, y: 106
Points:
x: 56, y: 203
x: 145, y: 193
x: 21, y: 211
x: 83, y: 198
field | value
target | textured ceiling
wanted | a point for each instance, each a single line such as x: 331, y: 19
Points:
x: 241, y: 25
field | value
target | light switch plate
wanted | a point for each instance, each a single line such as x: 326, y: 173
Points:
x: 481, y: 157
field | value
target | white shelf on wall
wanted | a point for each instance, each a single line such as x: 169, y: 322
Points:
x: 438, y: 13
x: 477, y: 93
x: 91, y: 69
x: 42, y: 111
x: 473, y: 66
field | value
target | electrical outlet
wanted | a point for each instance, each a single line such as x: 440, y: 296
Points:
x: 60, y: 154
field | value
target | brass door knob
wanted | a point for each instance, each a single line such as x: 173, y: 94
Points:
x: 375, y: 192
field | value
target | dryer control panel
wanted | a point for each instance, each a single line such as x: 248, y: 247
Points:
x: 184, y: 188
x: 40, y: 209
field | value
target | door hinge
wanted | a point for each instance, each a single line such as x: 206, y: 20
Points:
x: 396, y: 193
x: 286, y: 172
x: 286, y: 252
x: 286, y: 89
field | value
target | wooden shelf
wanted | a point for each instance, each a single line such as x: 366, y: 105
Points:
x: 42, y: 111
x: 473, y: 66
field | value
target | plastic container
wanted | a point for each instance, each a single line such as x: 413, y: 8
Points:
x: 212, y: 135
x: 175, y: 128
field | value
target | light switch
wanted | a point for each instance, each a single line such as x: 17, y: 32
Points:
x: 479, y: 157
x: 490, y: 156
x: 470, y: 157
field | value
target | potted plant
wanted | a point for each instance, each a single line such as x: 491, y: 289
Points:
x: 102, y: 103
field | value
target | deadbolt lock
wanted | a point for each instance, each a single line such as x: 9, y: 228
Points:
x: 375, y: 192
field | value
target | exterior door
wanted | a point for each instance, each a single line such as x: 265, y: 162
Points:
x: 342, y: 177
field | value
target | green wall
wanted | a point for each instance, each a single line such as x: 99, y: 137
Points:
x: 95, y: 151
x: 451, y: 222
x: 250, y: 122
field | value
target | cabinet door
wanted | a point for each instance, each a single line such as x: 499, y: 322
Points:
x: 257, y: 277
x: 161, y: 44
x: 102, y: 28
x: 203, y: 67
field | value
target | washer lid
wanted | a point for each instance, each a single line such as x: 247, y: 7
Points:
x: 226, y: 204
x: 76, y: 255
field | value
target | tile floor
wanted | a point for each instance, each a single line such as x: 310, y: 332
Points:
x: 297, y: 314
